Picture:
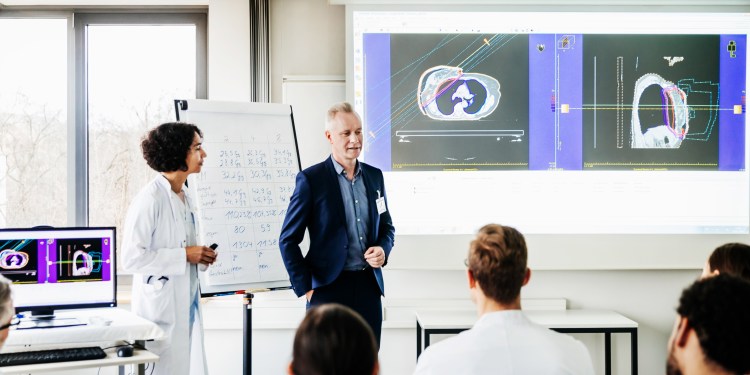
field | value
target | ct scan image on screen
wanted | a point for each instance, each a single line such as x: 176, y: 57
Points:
x: 556, y: 123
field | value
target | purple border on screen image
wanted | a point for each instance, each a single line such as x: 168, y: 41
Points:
x: 570, y: 76
x: 732, y: 82
x: 41, y: 264
x: 556, y: 74
x: 541, y: 114
x: 106, y: 265
x: 377, y: 99
x: 51, y: 256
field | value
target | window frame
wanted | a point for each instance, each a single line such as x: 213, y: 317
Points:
x: 68, y: 17
x: 77, y: 82
x: 78, y: 125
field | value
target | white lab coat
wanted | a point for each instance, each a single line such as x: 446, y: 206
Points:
x: 154, y: 249
x: 506, y: 343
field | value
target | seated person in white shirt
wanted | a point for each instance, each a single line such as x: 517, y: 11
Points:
x: 503, y: 340
x: 711, y: 334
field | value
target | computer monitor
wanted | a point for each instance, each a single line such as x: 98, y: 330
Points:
x: 59, y: 268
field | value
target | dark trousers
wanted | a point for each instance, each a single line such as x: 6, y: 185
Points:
x: 357, y: 290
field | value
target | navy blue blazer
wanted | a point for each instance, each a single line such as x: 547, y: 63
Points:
x: 317, y: 205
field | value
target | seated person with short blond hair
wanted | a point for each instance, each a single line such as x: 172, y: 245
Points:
x: 503, y: 340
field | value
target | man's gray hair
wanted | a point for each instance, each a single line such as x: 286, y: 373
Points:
x: 6, y: 303
x: 343, y: 107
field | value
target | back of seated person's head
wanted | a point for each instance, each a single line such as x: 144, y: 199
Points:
x: 7, y: 312
x: 334, y: 340
x: 6, y: 303
x: 497, y: 261
x: 716, y: 308
x: 731, y: 258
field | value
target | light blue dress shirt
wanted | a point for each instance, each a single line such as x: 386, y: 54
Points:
x: 357, y: 217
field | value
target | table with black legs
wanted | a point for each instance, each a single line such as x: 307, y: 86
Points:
x: 435, y: 322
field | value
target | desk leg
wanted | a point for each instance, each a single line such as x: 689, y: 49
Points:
x: 634, y: 351
x: 608, y: 353
x: 419, y: 339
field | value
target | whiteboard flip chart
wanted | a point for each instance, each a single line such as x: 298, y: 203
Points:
x: 243, y: 190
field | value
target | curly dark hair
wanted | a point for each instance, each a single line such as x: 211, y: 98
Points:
x: 497, y: 259
x: 732, y: 258
x: 717, y: 309
x: 334, y: 340
x: 166, y: 146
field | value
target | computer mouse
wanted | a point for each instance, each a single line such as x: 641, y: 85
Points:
x: 125, y: 351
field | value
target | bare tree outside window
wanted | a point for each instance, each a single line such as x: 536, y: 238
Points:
x: 33, y: 123
x: 134, y: 74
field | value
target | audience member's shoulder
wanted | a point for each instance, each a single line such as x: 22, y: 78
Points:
x: 554, y: 341
x: 565, y: 339
x: 562, y: 353
x: 574, y: 350
x: 435, y: 358
x: 445, y: 351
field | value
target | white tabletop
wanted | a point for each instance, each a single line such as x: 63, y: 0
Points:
x: 464, y: 319
x: 123, y: 326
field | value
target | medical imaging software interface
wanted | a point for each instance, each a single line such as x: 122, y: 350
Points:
x: 555, y: 101
x: 638, y: 120
x: 58, y: 266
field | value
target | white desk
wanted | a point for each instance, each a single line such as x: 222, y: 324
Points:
x: 125, y: 326
x: 430, y: 322
x: 139, y: 356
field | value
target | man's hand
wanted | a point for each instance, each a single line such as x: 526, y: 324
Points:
x: 375, y: 256
x: 200, y: 255
x: 309, y: 294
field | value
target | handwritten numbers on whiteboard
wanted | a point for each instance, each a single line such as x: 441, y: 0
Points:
x: 243, y: 192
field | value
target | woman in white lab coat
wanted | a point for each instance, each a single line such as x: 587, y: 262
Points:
x: 160, y: 248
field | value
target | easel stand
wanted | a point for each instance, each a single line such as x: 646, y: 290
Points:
x: 247, y: 332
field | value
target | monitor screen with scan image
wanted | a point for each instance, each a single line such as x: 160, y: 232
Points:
x: 59, y: 268
x: 557, y: 123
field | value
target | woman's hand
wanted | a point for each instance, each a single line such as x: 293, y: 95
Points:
x: 200, y: 255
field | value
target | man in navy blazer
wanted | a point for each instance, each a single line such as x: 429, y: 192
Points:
x: 342, y: 203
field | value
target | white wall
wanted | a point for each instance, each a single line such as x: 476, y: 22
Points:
x: 229, y: 50
x: 307, y: 38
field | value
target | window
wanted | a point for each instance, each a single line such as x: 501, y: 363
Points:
x: 72, y: 116
x: 33, y: 122
x: 134, y: 73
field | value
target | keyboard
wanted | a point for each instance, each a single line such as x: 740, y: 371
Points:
x: 54, y: 355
